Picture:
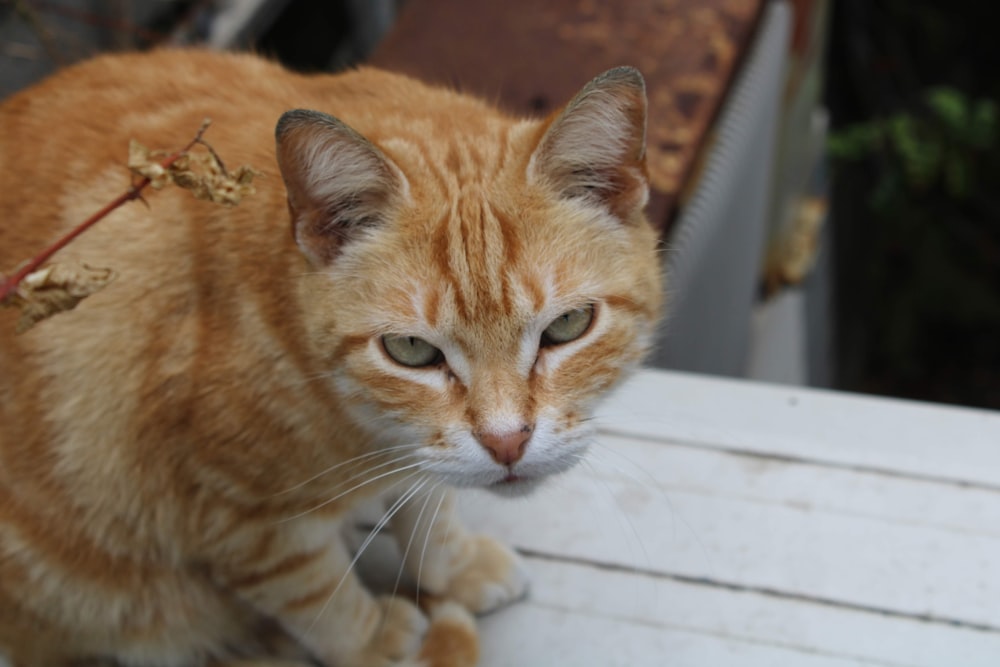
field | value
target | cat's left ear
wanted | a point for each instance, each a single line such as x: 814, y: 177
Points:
x: 340, y: 185
x: 595, y: 148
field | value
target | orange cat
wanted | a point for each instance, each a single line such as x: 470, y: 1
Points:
x: 424, y: 292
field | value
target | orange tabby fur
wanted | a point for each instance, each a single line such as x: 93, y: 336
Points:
x: 178, y: 453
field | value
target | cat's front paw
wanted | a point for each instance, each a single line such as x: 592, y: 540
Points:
x: 490, y: 576
x: 398, y: 636
x: 407, y: 638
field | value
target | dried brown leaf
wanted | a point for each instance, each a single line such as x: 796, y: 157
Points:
x: 41, y: 293
x: 55, y: 289
x: 144, y: 162
x: 203, y: 174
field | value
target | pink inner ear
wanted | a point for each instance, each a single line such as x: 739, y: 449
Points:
x: 337, y: 181
x: 595, y: 148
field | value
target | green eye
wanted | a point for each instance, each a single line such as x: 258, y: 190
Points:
x: 411, y: 351
x: 569, y: 326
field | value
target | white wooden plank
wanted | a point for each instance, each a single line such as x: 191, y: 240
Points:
x: 666, y: 467
x: 578, y: 615
x: 852, y: 540
x: 919, y: 439
x: 535, y: 636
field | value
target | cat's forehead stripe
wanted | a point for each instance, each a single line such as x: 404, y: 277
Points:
x: 474, y: 256
x: 472, y: 160
x: 466, y: 161
x: 431, y: 305
x: 474, y: 246
x: 453, y: 162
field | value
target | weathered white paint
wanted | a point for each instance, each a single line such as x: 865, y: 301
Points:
x: 723, y: 522
x: 909, y: 438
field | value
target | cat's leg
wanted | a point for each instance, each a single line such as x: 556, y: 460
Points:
x: 450, y: 641
x: 305, y: 580
x: 447, y: 560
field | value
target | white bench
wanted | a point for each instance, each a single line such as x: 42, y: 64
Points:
x: 724, y: 522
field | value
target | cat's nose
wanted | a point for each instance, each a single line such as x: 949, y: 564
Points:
x: 506, y: 448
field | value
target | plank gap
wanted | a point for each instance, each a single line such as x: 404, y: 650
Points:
x: 724, y: 636
x: 798, y: 460
x: 759, y: 590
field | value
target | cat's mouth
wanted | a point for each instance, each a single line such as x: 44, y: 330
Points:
x: 514, y: 485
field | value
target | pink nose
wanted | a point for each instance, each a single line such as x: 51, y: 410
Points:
x: 506, y: 448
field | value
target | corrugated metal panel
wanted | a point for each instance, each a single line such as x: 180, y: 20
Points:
x: 714, y: 251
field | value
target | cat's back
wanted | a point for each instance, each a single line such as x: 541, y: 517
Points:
x: 94, y: 103
x: 85, y: 110
x: 64, y: 147
x: 117, y: 90
x: 64, y: 141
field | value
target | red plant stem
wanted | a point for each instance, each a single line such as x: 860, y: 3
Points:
x: 134, y: 192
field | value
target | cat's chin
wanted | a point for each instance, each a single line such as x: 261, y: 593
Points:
x: 514, y: 487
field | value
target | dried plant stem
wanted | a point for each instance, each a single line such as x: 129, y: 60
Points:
x: 134, y: 192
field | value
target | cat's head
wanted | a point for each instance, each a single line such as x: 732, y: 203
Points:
x: 477, y: 290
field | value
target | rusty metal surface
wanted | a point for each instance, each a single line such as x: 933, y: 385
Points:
x: 533, y: 56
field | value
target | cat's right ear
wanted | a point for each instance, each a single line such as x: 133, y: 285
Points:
x: 339, y: 184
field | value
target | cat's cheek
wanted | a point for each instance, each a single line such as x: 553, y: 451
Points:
x: 583, y: 377
x: 379, y: 394
x: 554, y: 450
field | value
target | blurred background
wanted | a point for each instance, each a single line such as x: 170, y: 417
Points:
x: 831, y: 211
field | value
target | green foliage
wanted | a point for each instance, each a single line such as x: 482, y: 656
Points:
x: 928, y: 286
x: 917, y: 202
x: 941, y: 144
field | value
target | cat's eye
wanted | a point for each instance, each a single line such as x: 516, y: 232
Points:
x: 569, y: 326
x: 411, y: 351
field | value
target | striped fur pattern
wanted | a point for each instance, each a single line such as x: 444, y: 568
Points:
x: 179, y: 455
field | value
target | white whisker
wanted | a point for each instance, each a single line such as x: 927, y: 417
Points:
x: 427, y: 537
x: 367, y: 471
x: 413, y: 532
x: 651, y: 483
x: 326, y: 502
x: 356, y: 459
x: 409, y: 543
x: 386, y: 517
x: 620, y: 514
